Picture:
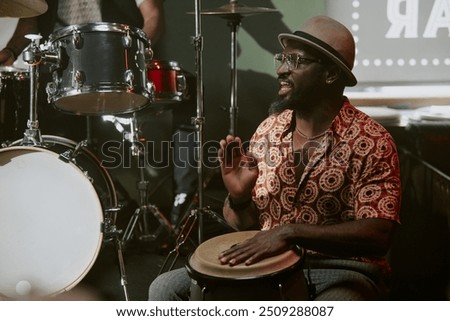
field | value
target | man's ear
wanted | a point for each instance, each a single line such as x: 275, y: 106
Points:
x: 333, y: 74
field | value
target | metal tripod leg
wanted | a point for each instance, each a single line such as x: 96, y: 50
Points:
x: 189, y: 220
x: 123, y: 275
x: 111, y: 232
x: 143, y: 211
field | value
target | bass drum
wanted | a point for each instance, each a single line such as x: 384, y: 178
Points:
x: 273, y: 279
x: 52, y: 217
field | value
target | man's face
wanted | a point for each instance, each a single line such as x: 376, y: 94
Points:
x: 301, y: 77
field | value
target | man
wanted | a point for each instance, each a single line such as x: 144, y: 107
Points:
x: 319, y: 175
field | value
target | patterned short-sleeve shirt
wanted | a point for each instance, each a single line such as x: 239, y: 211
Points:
x: 353, y: 173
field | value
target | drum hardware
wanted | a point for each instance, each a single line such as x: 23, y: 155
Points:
x: 33, y: 57
x: 144, y: 209
x: 112, y: 233
x: 199, y: 120
x: 187, y: 224
x: 182, y: 238
x: 70, y: 155
x: 234, y: 12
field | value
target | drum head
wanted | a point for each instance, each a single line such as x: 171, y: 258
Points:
x: 205, y: 259
x: 50, y: 223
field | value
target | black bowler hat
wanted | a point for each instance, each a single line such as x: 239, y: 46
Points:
x: 329, y: 37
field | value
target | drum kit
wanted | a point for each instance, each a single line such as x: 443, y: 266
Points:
x: 81, y: 214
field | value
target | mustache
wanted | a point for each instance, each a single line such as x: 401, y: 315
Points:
x: 283, y: 78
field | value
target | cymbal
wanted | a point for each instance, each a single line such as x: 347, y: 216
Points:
x: 22, y: 8
x: 234, y: 10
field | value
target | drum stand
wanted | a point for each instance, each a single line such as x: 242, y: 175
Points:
x: 110, y: 231
x: 234, y: 13
x: 33, y: 56
x: 144, y: 208
x: 196, y: 215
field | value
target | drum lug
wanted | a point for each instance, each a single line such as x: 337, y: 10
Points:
x: 51, y: 90
x: 151, y: 90
x: 129, y: 79
x: 148, y: 55
x: 79, y: 78
x: 88, y: 177
x: 126, y: 40
x: 77, y: 40
x: 181, y: 84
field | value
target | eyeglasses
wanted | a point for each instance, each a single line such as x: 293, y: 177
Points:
x: 293, y: 61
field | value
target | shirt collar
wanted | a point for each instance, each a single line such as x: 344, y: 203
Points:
x: 340, y: 124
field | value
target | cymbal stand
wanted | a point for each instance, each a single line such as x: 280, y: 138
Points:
x: 200, y: 119
x: 196, y: 215
x: 33, y: 57
x: 144, y: 207
x: 234, y: 12
x: 234, y: 24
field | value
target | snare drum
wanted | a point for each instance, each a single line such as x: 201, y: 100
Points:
x: 14, y: 101
x: 101, y: 69
x: 169, y: 82
x: 276, y: 278
x: 52, y: 217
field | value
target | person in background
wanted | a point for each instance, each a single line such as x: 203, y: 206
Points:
x: 318, y: 174
x: 147, y: 15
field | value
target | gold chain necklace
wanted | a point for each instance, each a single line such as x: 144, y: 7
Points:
x: 309, y: 137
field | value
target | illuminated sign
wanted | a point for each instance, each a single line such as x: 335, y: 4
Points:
x: 398, y: 41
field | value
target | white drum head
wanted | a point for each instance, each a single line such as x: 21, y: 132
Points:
x: 205, y: 259
x: 50, y: 223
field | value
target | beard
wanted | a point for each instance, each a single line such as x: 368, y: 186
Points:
x: 301, y: 100
x: 294, y: 102
x: 279, y: 105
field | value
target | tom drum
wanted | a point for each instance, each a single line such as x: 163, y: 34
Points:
x: 101, y: 69
x: 169, y: 81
